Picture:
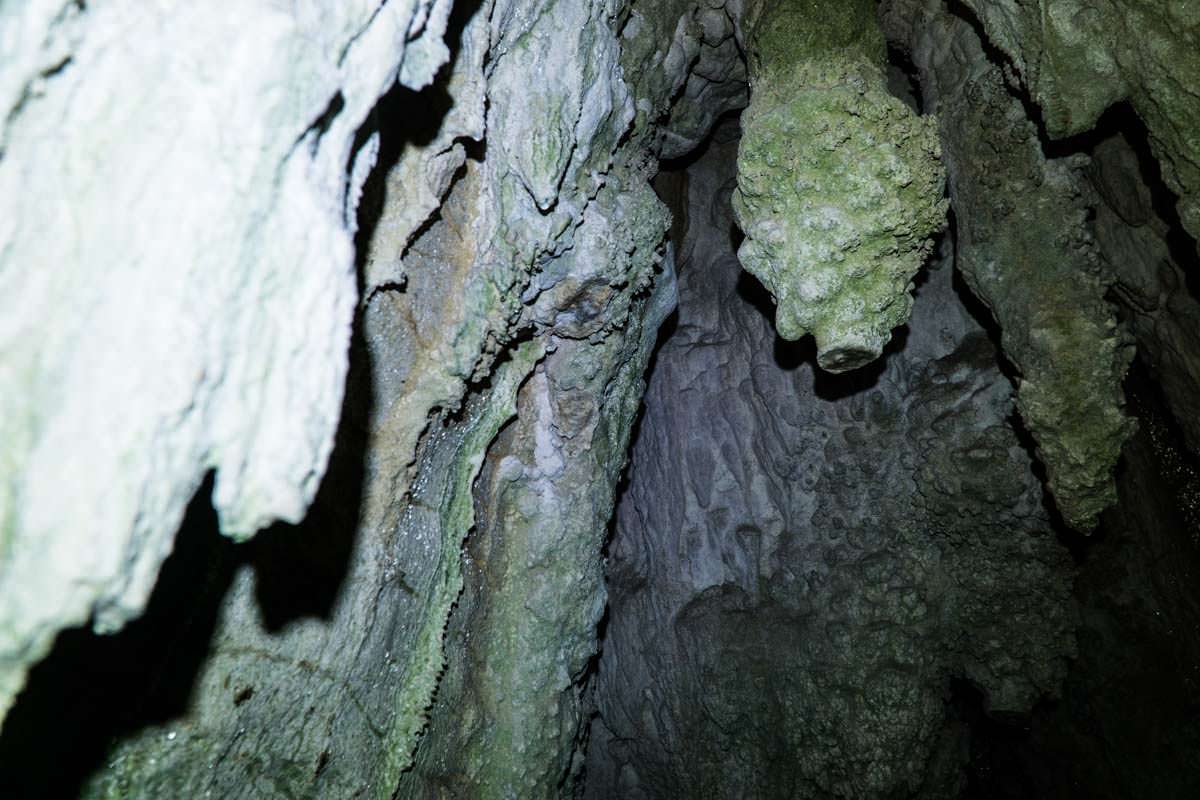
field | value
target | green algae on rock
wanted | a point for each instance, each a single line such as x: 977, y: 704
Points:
x: 839, y: 183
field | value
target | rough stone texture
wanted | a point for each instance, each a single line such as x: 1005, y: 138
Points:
x: 686, y: 53
x: 1154, y: 268
x: 1079, y: 57
x: 1025, y: 246
x: 839, y: 183
x: 1126, y: 726
x: 508, y: 714
x: 176, y: 278
x: 530, y: 296
x: 801, y: 561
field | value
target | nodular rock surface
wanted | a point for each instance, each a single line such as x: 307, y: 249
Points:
x: 205, y: 212
x: 1027, y: 249
x: 839, y: 182
x: 802, y: 562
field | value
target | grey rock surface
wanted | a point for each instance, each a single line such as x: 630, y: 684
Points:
x: 801, y: 562
x: 503, y: 342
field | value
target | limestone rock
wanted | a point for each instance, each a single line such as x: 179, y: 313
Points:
x: 1079, y: 58
x: 839, y: 183
x: 538, y: 281
x: 801, y: 562
x: 176, y: 278
x: 1027, y: 250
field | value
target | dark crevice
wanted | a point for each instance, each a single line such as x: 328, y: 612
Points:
x: 320, y: 126
x: 92, y: 690
x: 407, y: 119
x: 904, y: 80
x: 300, y: 569
x: 995, y: 768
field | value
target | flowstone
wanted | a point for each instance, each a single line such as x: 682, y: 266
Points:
x: 839, y: 182
x: 179, y: 188
x: 503, y: 343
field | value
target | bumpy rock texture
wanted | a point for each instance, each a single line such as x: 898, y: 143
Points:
x: 839, y: 183
x: 1026, y: 248
x: 1079, y: 57
x: 800, y: 562
x: 803, y: 566
x: 176, y: 279
x: 507, y: 317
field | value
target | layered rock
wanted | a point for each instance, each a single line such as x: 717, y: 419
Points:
x: 839, y: 183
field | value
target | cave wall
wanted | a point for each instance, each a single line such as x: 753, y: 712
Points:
x: 504, y: 325
x: 408, y: 254
x: 802, y: 561
x: 177, y: 275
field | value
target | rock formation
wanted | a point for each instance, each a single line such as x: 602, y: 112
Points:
x: 795, y: 552
x: 839, y: 183
x: 177, y: 275
x: 376, y: 290
x: 1078, y: 59
x: 1027, y: 250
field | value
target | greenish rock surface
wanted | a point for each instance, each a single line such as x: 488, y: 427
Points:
x: 839, y: 183
x: 1079, y: 57
x: 1026, y: 248
x: 509, y: 717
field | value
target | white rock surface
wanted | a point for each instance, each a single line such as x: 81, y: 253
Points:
x: 176, y: 277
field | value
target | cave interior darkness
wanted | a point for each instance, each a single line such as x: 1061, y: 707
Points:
x: 749, y: 462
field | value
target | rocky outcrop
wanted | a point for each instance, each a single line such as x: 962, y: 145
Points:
x: 1026, y: 248
x: 801, y: 562
x: 839, y: 183
x: 500, y: 370
x: 176, y: 275
x: 1079, y: 58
